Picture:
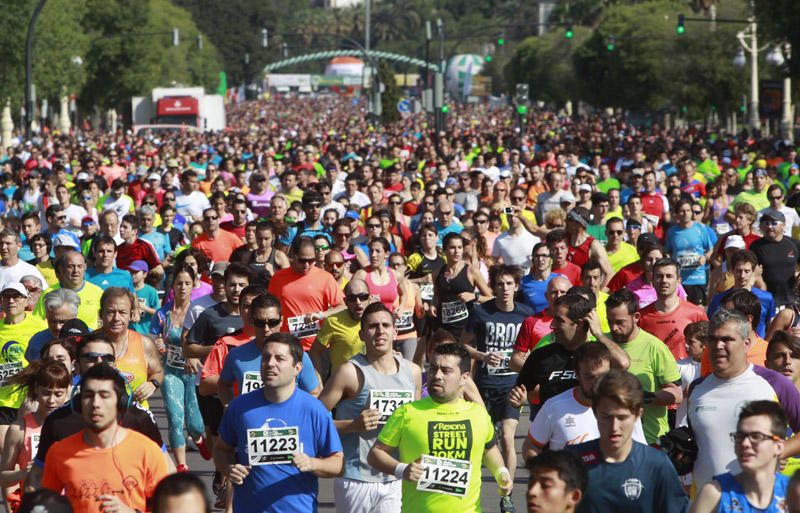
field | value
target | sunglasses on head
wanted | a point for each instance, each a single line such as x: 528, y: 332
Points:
x: 263, y: 323
x: 360, y: 297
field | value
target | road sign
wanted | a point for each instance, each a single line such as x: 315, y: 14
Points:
x: 403, y: 106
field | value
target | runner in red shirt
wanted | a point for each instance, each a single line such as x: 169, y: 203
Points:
x: 214, y: 242
x: 558, y: 244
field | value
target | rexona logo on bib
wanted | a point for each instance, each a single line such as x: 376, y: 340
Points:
x: 272, y: 446
x: 451, y: 440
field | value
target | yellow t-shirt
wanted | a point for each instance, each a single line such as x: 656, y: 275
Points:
x: 14, y: 340
x: 601, y: 311
x: 625, y: 255
x: 48, y: 272
x: 339, y: 333
x: 88, y: 312
x: 525, y: 214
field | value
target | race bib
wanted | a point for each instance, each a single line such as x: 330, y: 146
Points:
x: 722, y: 228
x: 175, y: 358
x: 689, y: 260
x: 426, y: 291
x: 404, y: 321
x: 454, y: 311
x: 387, y: 401
x: 653, y: 219
x: 7, y: 370
x: 443, y: 475
x: 251, y: 381
x: 302, y: 329
x: 35, y: 443
x: 272, y: 446
x: 502, y: 369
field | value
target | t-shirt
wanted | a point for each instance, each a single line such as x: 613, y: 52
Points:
x: 191, y: 205
x: 339, y: 333
x: 690, y: 371
x: 533, y: 329
x: 653, y: 364
x: 551, y: 368
x: 219, y: 248
x: 148, y: 296
x: 36, y: 343
x: 242, y: 367
x: 212, y: 324
x: 197, y: 307
x: 12, y: 274
x: 280, y: 487
x: 89, y: 309
x: 626, y: 254
x: 767, y: 308
x: 496, y: 331
x: 116, y: 278
x: 565, y: 420
x: 714, y: 406
x: 515, y: 249
x: 315, y: 291
x: 571, y: 271
x: 533, y: 291
x: 140, y: 249
x: 130, y: 470
x: 668, y: 327
x: 216, y: 358
x: 779, y: 261
x: 461, y: 430
x: 14, y: 340
x: 758, y: 200
x: 644, y: 483
x: 160, y: 242
x: 687, y: 245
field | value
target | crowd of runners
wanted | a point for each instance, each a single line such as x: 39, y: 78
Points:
x: 315, y: 296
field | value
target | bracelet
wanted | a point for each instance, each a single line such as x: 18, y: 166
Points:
x: 399, y: 470
x: 500, y: 471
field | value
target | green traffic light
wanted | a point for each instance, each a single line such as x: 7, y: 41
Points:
x: 569, y: 34
x: 488, y: 58
x: 501, y: 41
x: 681, y: 28
x: 445, y: 109
x: 610, y: 47
x: 522, y: 109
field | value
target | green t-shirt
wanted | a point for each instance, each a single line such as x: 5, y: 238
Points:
x: 608, y: 184
x: 14, y: 340
x: 460, y: 431
x: 598, y: 231
x: 653, y: 364
x: 89, y: 309
x: 758, y: 200
x: 626, y: 254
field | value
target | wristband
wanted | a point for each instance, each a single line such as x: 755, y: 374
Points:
x: 649, y: 397
x: 500, y: 471
x: 399, y: 470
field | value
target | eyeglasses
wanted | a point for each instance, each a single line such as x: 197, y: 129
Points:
x: 263, y: 323
x: 336, y: 264
x: 541, y: 255
x: 341, y: 234
x: 210, y: 218
x: 313, y: 205
x: 93, y: 357
x: 321, y: 248
x: 697, y: 212
x: 427, y: 203
x: 364, y: 296
x: 306, y: 260
x: 149, y: 203
x: 755, y: 437
x: 373, y: 226
x: 87, y: 198
x: 776, y: 197
x: 517, y: 198
x: 443, y: 213
x: 61, y: 218
x: 769, y: 222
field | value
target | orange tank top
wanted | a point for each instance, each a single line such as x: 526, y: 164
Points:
x: 133, y: 365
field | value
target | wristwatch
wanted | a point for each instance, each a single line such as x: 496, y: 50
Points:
x: 155, y: 383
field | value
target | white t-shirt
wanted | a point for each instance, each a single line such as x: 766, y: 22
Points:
x: 191, y: 205
x: 515, y: 250
x: 792, y: 219
x: 10, y: 275
x: 690, y: 371
x: 122, y: 206
x: 197, y: 307
x: 564, y: 421
x: 714, y: 407
x: 75, y: 213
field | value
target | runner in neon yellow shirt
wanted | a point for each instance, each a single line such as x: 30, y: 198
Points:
x: 442, y: 441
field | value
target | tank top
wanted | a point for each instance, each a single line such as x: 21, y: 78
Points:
x: 356, y: 446
x: 453, y: 313
x: 387, y: 292
x: 30, y: 444
x: 260, y: 268
x: 579, y: 255
x: 795, y: 316
x: 133, y: 365
x: 733, y: 499
x: 404, y: 322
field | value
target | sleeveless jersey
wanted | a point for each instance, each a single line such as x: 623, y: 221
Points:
x: 387, y: 292
x: 579, y: 254
x: 133, y: 365
x: 357, y: 445
x: 453, y: 313
x: 733, y: 499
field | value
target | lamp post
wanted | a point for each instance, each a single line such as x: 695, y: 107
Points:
x: 29, y: 68
x: 778, y: 57
x: 748, y: 39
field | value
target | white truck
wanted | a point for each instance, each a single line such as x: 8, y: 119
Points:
x: 178, y: 108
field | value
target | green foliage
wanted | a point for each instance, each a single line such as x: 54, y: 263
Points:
x: 778, y: 21
x: 391, y: 95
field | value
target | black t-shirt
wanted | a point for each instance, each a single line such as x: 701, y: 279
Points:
x: 213, y: 324
x: 779, y: 261
x: 552, y: 368
x: 65, y: 422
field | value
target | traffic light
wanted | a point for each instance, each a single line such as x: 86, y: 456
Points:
x: 488, y: 58
x: 569, y: 33
x: 522, y: 110
x: 610, y: 43
x: 681, y: 28
x: 500, y: 41
x: 445, y: 109
x: 522, y: 94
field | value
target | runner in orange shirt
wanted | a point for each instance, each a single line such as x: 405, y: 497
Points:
x: 214, y: 242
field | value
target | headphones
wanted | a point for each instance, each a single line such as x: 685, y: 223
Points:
x: 121, y: 388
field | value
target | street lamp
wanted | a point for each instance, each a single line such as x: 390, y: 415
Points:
x: 748, y: 39
x: 739, y: 61
x: 778, y: 57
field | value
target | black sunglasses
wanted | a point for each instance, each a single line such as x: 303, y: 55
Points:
x: 361, y: 297
x: 93, y: 357
x: 263, y: 323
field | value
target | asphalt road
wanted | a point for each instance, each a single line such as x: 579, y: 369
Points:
x: 490, y: 501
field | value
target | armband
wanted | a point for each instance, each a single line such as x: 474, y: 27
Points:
x: 500, y: 472
x: 399, y: 470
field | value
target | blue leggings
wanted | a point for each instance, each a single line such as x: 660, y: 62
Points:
x: 180, y: 399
